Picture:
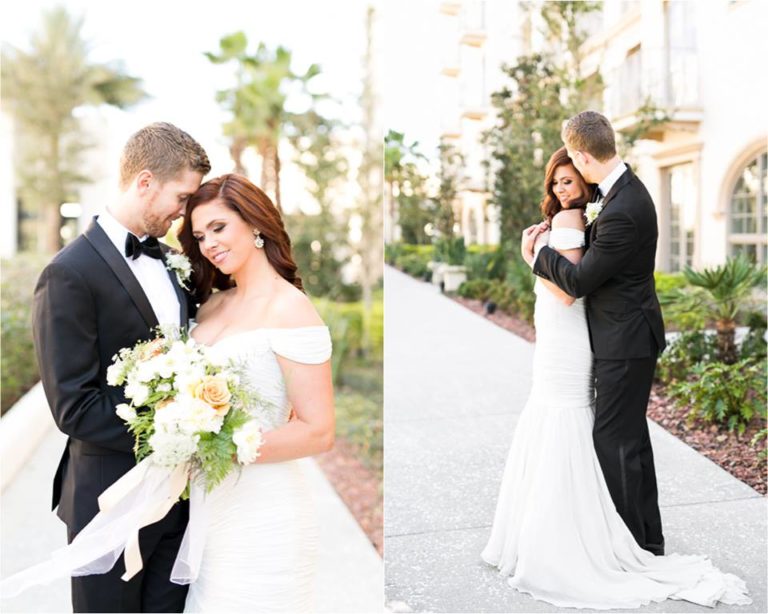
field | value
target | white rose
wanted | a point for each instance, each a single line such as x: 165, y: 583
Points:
x: 146, y: 371
x: 126, y: 412
x: 248, y: 439
x: 137, y: 392
x: 114, y: 374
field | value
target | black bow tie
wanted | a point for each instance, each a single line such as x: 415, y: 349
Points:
x: 149, y: 247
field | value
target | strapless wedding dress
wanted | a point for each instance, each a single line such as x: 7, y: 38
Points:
x: 556, y: 532
x: 260, y: 526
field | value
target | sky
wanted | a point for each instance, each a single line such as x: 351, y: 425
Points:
x: 163, y: 41
x: 411, y: 71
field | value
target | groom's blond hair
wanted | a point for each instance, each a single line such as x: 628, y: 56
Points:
x: 591, y: 132
x: 163, y: 149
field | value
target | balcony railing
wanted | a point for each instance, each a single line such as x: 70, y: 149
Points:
x: 667, y: 78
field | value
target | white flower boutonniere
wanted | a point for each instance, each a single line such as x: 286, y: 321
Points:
x: 179, y: 264
x: 593, y: 210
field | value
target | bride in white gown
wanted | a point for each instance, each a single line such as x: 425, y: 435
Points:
x: 259, y: 525
x: 556, y: 531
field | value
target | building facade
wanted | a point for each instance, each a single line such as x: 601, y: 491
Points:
x: 475, y: 37
x: 705, y: 166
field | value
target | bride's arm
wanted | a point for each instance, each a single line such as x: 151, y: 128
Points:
x: 567, y: 218
x: 309, y: 389
x: 310, y: 392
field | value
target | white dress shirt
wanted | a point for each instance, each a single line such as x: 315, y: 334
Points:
x: 607, y: 183
x: 149, y: 272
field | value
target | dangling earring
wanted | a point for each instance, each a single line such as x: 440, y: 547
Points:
x: 257, y: 241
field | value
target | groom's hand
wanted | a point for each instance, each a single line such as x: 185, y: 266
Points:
x: 528, y: 240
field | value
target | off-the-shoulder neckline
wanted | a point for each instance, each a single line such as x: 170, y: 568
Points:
x: 258, y: 330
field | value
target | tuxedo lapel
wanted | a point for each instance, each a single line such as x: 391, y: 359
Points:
x: 622, y: 181
x: 114, y: 259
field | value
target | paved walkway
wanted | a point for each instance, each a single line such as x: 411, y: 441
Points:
x: 455, y: 385
x: 349, y: 575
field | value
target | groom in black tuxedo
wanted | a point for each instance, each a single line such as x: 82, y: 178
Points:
x: 105, y: 291
x: 624, y: 317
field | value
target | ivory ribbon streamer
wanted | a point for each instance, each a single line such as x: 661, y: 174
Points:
x: 176, y: 483
x: 142, y: 496
x: 187, y: 565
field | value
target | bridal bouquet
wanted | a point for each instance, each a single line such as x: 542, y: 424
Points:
x: 194, y: 421
x: 186, y: 408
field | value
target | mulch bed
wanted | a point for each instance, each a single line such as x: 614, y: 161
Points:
x: 359, y: 488
x: 730, y: 451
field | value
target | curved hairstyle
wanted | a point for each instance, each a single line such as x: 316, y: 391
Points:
x: 258, y: 211
x: 550, y: 205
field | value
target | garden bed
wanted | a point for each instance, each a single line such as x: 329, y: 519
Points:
x: 730, y: 451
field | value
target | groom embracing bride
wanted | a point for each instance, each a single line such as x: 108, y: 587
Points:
x: 577, y: 521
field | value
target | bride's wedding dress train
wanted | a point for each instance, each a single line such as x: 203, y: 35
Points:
x: 556, y: 531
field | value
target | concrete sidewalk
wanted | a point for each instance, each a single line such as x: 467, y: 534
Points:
x: 349, y: 572
x: 455, y: 385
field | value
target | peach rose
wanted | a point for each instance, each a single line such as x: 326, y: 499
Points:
x: 214, y: 391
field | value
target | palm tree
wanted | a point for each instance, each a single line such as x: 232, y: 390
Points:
x: 725, y: 289
x: 257, y: 102
x: 42, y: 87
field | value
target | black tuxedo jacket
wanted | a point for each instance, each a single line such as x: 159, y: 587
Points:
x: 616, y: 274
x: 87, y: 306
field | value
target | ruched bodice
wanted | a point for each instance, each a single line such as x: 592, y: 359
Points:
x: 257, y: 350
x: 559, y: 327
x: 259, y: 524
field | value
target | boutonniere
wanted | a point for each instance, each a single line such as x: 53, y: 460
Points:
x: 592, y: 211
x: 179, y: 264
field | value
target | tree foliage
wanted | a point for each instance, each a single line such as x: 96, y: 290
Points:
x: 407, y: 187
x: 257, y: 102
x: 42, y: 86
x: 544, y: 89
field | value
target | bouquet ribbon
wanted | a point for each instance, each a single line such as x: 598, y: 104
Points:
x: 141, y: 497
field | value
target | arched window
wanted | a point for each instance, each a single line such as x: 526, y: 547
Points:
x: 748, y: 221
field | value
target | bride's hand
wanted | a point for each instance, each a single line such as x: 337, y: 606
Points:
x: 528, y: 240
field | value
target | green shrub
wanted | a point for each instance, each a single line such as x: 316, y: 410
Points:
x: 755, y: 443
x: 485, y: 264
x: 346, y: 322
x: 476, y: 289
x: 413, y: 264
x: 359, y: 421
x: 391, y: 252
x: 681, y: 354
x: 18, y: 363
x: 665, y: 282
x: 425, y: 251
x: 724, y: 394
x: 522, y: 280
x: 450, y: 250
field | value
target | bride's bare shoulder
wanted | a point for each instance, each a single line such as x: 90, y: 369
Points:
x: 569, y: 218
x: 214, y: 301
x: 291, y: 308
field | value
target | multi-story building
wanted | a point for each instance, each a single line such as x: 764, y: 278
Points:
x: 476, y: 38
x: 697, y: 64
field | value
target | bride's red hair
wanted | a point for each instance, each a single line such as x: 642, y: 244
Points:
x: 258, y: 211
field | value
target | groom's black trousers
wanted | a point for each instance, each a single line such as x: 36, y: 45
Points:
x: 149, y: 590
x: 623, y: 445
